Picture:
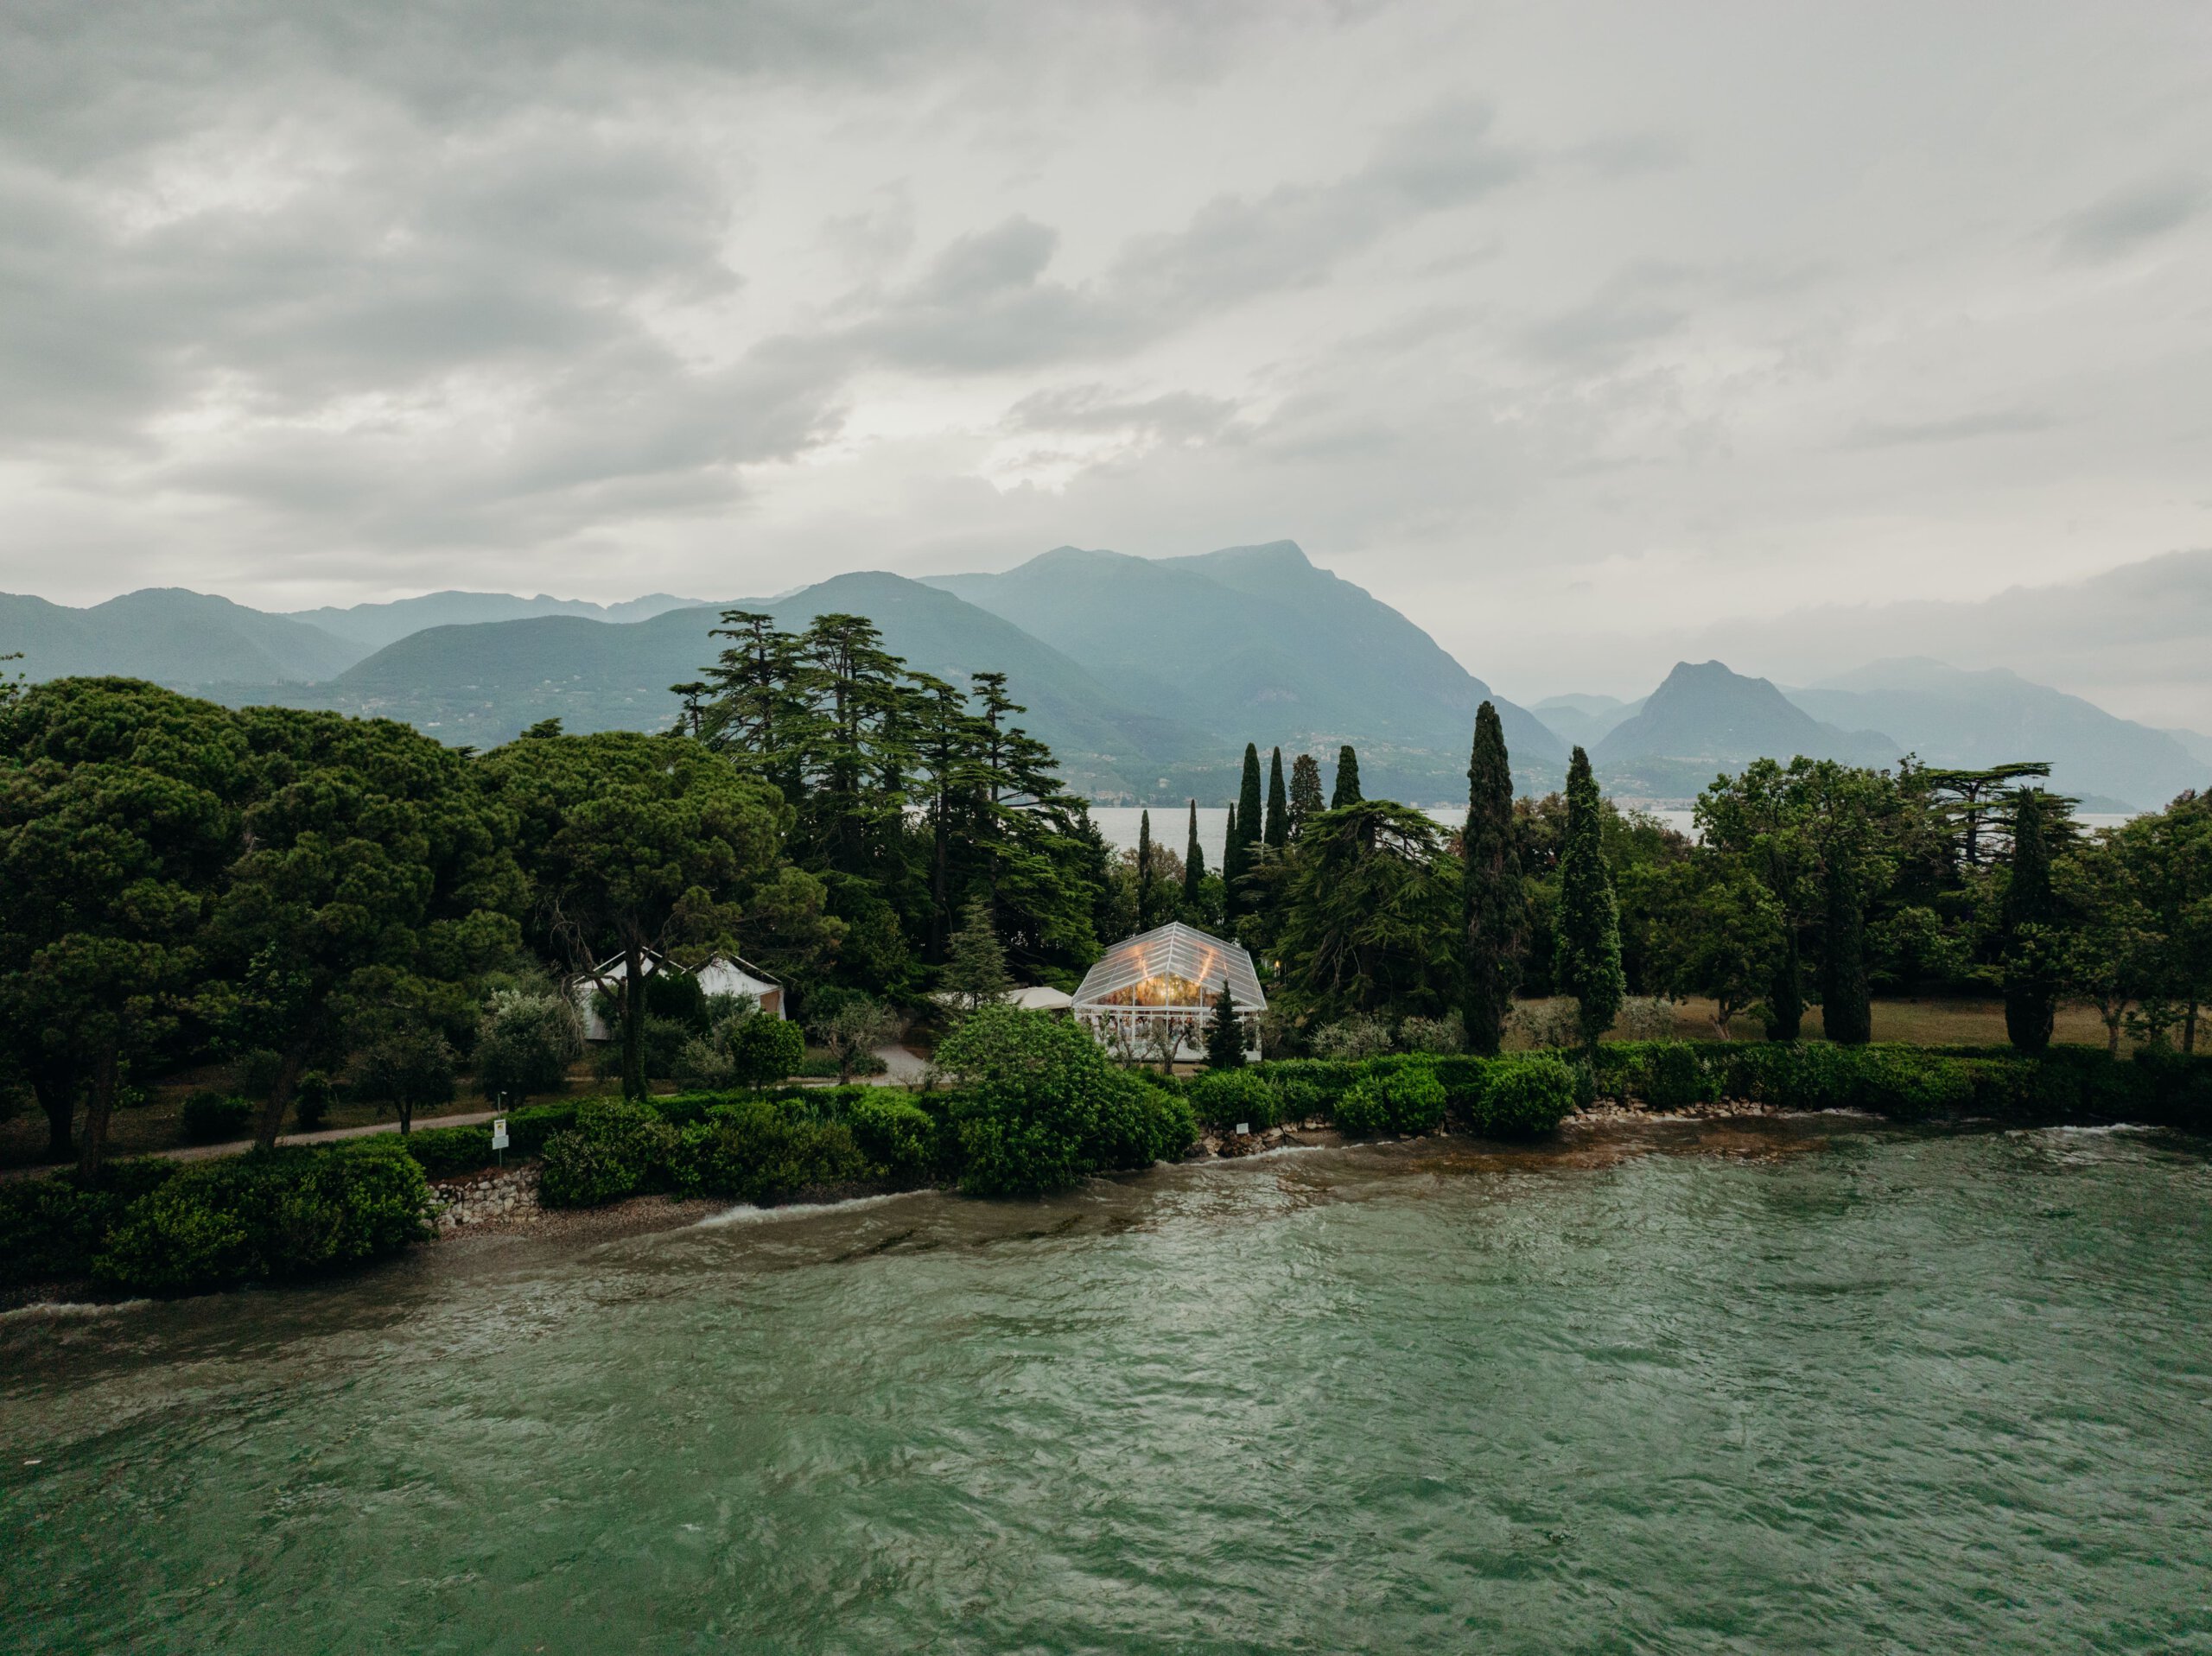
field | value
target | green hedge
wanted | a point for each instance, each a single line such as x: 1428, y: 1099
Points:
x: 267, y: 1216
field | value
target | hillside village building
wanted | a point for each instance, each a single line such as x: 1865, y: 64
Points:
x: 1162, y: 984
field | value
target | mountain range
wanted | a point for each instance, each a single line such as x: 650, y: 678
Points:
x: 1147, y: 676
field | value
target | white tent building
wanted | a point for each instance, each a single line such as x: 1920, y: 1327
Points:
x: 1165, y: 982
x: 722, y: 974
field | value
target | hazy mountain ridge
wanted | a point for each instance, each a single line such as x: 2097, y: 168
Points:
x: 374, y: 625
x: 1703, y: 719
x: 481, y: 683
x: 170, y: 635
x: 1256, y: 643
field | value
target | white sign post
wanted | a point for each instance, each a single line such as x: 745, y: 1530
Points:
x: 499, y: 1138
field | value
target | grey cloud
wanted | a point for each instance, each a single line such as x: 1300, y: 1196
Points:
x: 2121, y: 222
x: 986, y: 302
x: 1961, y: 427
x: 1176, y: 416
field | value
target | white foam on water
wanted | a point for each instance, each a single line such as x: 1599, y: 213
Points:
x: 58, y: 1310
x: 746, y: 1214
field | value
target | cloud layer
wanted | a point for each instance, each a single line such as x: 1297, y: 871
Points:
x: 1573, y: 331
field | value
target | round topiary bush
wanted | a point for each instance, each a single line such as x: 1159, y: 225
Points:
x: 1525, y: 1096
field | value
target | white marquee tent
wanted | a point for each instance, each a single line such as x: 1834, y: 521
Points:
x: 1162, y: 984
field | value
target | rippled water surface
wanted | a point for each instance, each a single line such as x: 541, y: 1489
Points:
x: 1801, y: 1385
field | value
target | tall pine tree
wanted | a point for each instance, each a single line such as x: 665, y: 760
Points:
x: 1225, y: 1033
x: 1278, y: 831
x: 1586, y: 955
x: 1491, y: 879
x: 1194, y: 861
x: 1306, y: 801
x: 2030, y: 977
x: 975, y: 965
x: 1144, y: 871
x: 1347, y: 791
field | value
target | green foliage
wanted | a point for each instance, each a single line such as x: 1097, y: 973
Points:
x: 311, y: 1101
x: 1276, y: 836
x: 2032, y: 953
x: 903, y: 1144
x: 1496, y: 906
x: 526, y: 1042
x: 761, y: 1152
x: 1408, y: 1099
x: 1305, y: 800
x: 1041, y: 1108
x: 1523, y: 1096
x: 615, y: 1150
x: 51, y: 1228
x: 1587, y: 953
x: 409, y: 1069
x: 1351, y: 1040
x: 1224, y: 1032
x: 1370, y: 915
x: 1347, y: 789
x: 974, y: 966
x: 269, y: 1216
x: 213, y: 1118
x: 1222, y: 1098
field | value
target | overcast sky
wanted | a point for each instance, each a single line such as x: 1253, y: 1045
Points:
x: 1572, y: 331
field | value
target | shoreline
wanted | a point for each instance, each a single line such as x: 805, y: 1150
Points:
x: 649, y: 1214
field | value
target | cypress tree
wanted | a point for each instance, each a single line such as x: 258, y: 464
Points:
x: 1846, y: 1010
x: 1194, y: 860
x: 1248, y: 801
x: 1495, y: 902
x: 1586, y: 956
x: 1347, y: 791
x: 1232, y: 870
x: 1305, y: 799
x: 1225, y: 1033
x: 2031, y: 989
x: 1278, y: 834
x: 1144, y: 871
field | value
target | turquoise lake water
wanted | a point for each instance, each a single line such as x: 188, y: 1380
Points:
x: 1810, y: 1384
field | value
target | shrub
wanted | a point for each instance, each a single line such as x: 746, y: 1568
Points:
x: 1352, y: 1040
x: 1675, y: 1077
x: 761, y: 1152
x: 525, y: 1043
x: 267, y: 1216
x: 1556, y: 1022
x: 210, y: 1118
x: 312, y: 1098
x: 1441, y: 1036
x: 1297, y: 1098
x: 1042, y: 1107
x: 744, y: 1048
x: 901, y: 1138
x: 616, y: 1149
x: 51, y: 1228
x: 1222, y: 1098
x: 1523, y: 1096
x: 1406, y: 1100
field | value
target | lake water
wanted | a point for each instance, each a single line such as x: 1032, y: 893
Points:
x: 1170, y: 824
x: 1802, y: 1386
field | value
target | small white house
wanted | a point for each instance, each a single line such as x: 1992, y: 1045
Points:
x: 722, y: 974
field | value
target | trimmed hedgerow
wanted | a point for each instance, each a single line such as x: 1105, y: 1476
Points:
x: 1222, y: 1098
x: 616, y: 1149
x: 269, y: 1215
x: 51, y: 1228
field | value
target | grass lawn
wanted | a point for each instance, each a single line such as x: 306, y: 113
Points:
x: 1925, y: 1022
